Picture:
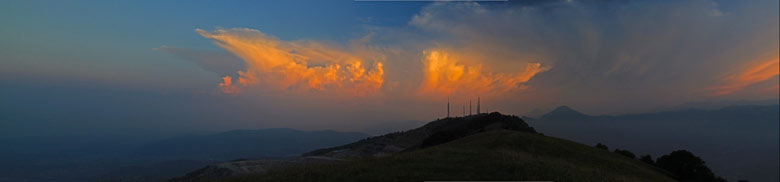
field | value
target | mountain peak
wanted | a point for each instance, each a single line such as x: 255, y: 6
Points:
x: 563, y: 112
x: 564, y: 108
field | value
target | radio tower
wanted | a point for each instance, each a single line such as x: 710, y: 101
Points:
x: 469, y: 107
x: 477, y: 106
x: 448, y: 107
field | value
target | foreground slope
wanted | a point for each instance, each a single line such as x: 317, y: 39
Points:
x: 491, y: 155
x: 739, y: 142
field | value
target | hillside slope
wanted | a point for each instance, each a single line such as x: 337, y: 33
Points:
x: 491, y: 155
x: 738, y: 142
x: 433, y: 133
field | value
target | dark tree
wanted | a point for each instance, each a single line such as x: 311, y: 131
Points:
x: 626, y: 153
x: 686, y: 167
x: 647, y: 159
x: 602, y: 146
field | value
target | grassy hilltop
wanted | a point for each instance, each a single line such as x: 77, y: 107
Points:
x: 491, y: 155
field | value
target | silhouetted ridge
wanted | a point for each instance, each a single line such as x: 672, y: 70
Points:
x: 498, y: 155
x: 433, y: 133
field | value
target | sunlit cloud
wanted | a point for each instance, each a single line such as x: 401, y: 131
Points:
x: 446, y: 74
x: 756, y: 73
x: 656, y: 53
x: 228, y: 87
x: 300, y: 65
x: 544, y: 54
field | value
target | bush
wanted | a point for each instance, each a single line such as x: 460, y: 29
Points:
x: 602, y: 146
x: 647, y: 159
x: 626, y: 153
x: 686, y: 167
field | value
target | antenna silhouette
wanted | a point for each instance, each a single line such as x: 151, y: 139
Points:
x: 469, y: 107
x: 478, y: 112
x: 448, y: 107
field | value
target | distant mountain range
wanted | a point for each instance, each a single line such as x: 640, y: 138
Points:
x: 710, y: 105
x: 115, y: 160
x: 381, y: 128
x: 700, y: 105
x: 739, y: 142
x: 275, y: 142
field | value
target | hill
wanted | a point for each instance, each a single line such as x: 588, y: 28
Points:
x: 433, y: 133
x: 478, y: 147
x: 492, y: 155
x: 430, y: 134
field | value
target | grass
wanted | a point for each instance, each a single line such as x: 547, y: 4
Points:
x: 496, y: 155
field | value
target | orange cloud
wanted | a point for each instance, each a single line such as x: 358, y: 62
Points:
x: 445, y: 73
x: 756, y: 73
x: 298, y: 65
x: 227, y: 86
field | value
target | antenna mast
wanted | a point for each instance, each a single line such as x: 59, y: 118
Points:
x: 478, y: 112
x: 469, y: 107
x: 448, y: 107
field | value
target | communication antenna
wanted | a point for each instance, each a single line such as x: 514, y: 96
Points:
x: 478, y: 112
x: 448, y: 107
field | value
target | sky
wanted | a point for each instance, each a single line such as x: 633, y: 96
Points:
x: 107, y: 67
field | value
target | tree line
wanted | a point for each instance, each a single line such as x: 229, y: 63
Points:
x: 682, y: 164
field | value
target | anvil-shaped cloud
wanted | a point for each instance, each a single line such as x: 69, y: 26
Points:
x: 444, y: 74
x: 307, y: 65
x: 298, y: 65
